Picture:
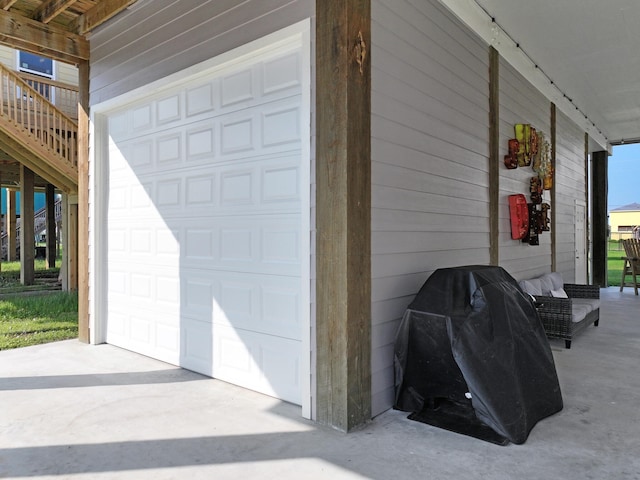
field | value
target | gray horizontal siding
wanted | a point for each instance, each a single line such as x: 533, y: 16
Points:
x: 429, y: 162
x: 520, y: 102
x: 570, y: 187
x: 166, y: 36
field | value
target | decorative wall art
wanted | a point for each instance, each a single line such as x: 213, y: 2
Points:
x: 530, y: 148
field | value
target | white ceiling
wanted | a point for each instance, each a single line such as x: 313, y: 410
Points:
x: 590, y: 49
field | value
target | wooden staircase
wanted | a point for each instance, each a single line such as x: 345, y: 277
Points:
x: 37, y: 133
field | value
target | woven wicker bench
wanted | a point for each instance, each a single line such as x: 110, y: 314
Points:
x: 564, y: 318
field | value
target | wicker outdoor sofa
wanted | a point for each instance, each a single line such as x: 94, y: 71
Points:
x: 562, y: 317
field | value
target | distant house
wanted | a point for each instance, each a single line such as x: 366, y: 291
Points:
x: 623, y: 219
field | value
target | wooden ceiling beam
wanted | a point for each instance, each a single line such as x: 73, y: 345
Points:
x: 27, y: 34
x: 39, y: 50
x: 50, y: 9
x: 6, y: 4
x: 99, y: 14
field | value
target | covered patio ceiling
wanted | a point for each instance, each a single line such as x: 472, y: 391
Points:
x: 581, y: 53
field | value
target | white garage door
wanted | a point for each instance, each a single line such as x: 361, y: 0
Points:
x: 208, y: 193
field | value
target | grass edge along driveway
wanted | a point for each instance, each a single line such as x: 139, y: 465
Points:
x: 35, y: 319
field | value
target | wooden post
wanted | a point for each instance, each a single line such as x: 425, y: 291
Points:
x: 50, y: 228
x: 27, y: 234
x: 343, y: 218
x: 72, y: 242
x: 64, y: 268
x: 3, y: 222
x: 599, y: 188
x: 587, y: 202
x: 494, y: 156
x: 554, y: 205
x: 83, y: 204
x: 12, y: 242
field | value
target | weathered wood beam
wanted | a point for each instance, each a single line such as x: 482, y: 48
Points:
x: 587, y: 201
x: 99, y: 14
x: 83, y: 204
x: 554, y: 204
x: 50, y: 9
x: 494, y: 156
x: 12, y: 245
x: 600, y: 216
x: 7, y: 4
x: 343, y: 219
x: 50, y: 226
x: 33, y: 36
x: 27, y: 239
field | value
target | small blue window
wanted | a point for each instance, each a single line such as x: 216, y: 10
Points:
x: 29, y: 62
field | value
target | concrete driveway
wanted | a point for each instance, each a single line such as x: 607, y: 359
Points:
x: 69, y: 410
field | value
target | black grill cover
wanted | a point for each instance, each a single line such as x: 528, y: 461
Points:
x: 472, y: 332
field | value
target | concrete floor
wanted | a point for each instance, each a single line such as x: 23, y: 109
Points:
x: 69, y: 410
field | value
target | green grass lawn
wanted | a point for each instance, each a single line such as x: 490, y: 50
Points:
x: 36, y: 318
x: 615, y: 263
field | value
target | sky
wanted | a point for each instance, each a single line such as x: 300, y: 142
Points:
x: 624, y: 175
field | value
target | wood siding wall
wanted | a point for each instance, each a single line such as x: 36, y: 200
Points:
x: 570, y: 187
x: 520, y: 102
x: 162, y: 37
x: 430, y: 114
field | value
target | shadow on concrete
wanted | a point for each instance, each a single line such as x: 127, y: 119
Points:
x: 176, y: 453
x: 172, y: 375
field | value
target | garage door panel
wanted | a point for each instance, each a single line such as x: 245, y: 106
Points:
x: 261, y: 185
x: 270, y: 364
x: 197, y: 296
x: 168, y: 150
x: 280, y: 125
x: 142, y: 118
x: 226, y: 138
x: 136, y: 331
x: 164, y: 247
x: 238, y: 133
x: 169, y: 109
x: 200, y: 191
x: 251, y: 302
x: 205, y: 224
x: 200, y: 142
x: 282, y: 74
x: 252, y: 244
x: 280, y: 308
x: 143, y: 286
x: 197, y: 345
x: 201, y: 99
x: 200, y: 102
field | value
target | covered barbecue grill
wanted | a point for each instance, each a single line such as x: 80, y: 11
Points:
x: 471, y: 356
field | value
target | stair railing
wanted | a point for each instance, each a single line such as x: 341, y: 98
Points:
x: 25, y: 107
x: 62, y: 95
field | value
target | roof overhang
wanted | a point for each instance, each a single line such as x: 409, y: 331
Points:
x: 581, y: 54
